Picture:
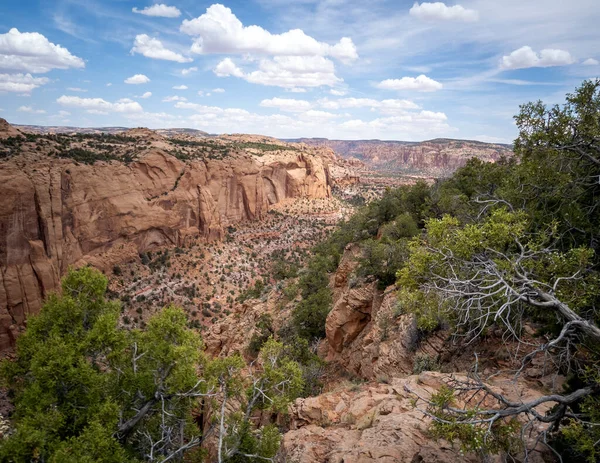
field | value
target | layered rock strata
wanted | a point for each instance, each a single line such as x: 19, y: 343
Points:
x: 55, y: 212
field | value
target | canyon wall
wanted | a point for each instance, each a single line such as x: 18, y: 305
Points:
x: 55, y: 213
x: 437, y: 158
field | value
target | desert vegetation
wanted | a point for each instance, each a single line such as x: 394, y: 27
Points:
x: 501, y: 253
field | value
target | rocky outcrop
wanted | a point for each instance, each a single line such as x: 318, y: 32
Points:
x: 365, y: 335
x: 7, y: 130
x: 377, y: 423
x: 55, y: 213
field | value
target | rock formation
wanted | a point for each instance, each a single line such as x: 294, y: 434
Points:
x: 55, y: 212
x: 364, y: 334
x: 7, y: 130
x: 377, y: 423
x: 435, y: 158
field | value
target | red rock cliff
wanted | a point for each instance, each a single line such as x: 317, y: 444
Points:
x: 55, y: 213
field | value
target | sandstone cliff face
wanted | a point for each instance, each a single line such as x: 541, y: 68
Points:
x: 55, y: 213
x: 7, y: 130
x: 364, y: 335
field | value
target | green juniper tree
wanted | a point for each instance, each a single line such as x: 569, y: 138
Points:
x: 87, y: 390
x: 524, y: 249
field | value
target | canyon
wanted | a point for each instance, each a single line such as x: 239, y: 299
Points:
x: 57, y: 212
x: 434, y: 158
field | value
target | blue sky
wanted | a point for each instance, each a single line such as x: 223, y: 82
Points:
x: 344, y: 69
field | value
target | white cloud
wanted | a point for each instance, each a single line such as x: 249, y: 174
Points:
x: 198, y: 107
x: 64, y: 113
x: 180, y: 87
x: 409, y: 125
x: 200, y: 92
x: 97, y: 112
x: 29, y: 109
x: 336, y: 92
x: 525, y: 57
x: 385, y: 106
x: 219, y: 90
x: 185, y: 72
x: 93, y: 105
x: 137, y: 79
x: 153, y: 48
x: 421, y: 83
x: 21, y: 83
x: 174, y: 98
x: 160, y: 10
x: 316, y: 114
x: 439, y: 11
x: 286, y: 104
x: 227, y: 68
x: 285, y: 71
x: 109, y: 84
x: 32, y: 52
x: 220, y: 31
x: 76, y: 89
x: 146, y: 95
x: 591, y: 62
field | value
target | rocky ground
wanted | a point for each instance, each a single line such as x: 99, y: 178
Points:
x: 209, y: 280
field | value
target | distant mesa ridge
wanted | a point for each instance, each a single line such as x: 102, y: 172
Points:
x: 436, y: 158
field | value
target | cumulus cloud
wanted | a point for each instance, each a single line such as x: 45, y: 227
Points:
x: 29, y: 109
x: 146, y: 95
x: 100, y: 106
x: 525, y: 57
x: 591, y: 62
x: 76, y: 89
x: 174, y: 98
x: 160, y: 10
x: 285, y: 71
x: 220, y: 31
x: 316, y: 114
x: 32, y: 52
x: 219, y: 90
x: 154, y: 48
x: 387, y: 106
x: 408, y: 126
x: 137, y: 79
x: 439, y: 11
x: 421, y: 83
x: 286, y: 104
x: 21, y: 83
x: 227, y: 68
x: 198, y: 107
x: 337, y: 92
x: 180, y: 87
x: 185, y: 72
x: 403, y: 126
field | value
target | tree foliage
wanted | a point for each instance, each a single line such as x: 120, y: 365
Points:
x: 517, y: 243
x: 87, y: 390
